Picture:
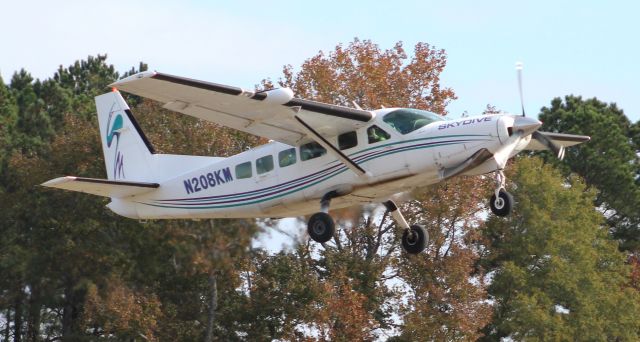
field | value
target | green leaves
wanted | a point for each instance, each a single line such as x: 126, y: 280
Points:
x: 609, y: 162
x: 556, y: 270
x: 549, y: 272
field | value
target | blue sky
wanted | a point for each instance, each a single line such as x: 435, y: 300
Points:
x: 587, y: 48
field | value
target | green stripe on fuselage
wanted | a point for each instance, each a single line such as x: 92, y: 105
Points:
x: 275, y: 196
x: 352, y: 155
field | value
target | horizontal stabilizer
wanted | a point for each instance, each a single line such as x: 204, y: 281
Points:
x: 101, y: 187
x: 560, y: 139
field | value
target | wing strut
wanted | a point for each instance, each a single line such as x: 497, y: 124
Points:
x: 353, y: 166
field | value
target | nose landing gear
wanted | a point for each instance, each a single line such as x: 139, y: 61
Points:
x: 501, y: 201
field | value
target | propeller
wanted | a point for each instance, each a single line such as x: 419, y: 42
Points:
x: 558, y: 150
x: 519, y: 72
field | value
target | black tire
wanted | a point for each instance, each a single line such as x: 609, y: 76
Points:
x: 414, y: 239
x: 321, y: 227
x: 502, y: 205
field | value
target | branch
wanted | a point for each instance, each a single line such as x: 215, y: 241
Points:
x: 452, y: 229
x: 380, y: 230
x: 390, y: 277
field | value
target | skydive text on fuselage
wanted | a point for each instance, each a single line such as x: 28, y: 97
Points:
x: 208, y: 180
x: 465, y: 122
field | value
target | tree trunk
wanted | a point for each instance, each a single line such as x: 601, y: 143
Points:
x: 67, y: 312
x: 33, y: 322
x: 17, y: 318
x: 71, y: 311
x: 213, y: 305
x: 7, y: 328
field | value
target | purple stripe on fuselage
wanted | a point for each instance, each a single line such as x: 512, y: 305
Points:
x: 314, y: 176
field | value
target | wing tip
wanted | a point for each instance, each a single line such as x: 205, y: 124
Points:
x: 53, y: 183
x: 140, y: 75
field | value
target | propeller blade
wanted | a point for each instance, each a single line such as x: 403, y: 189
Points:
x: 558, y: 150
x: 519, y: 72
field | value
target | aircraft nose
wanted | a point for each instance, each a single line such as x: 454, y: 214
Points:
x: 526, y: 125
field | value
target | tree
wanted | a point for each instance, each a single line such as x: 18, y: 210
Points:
x: 448, y: 291
x: 557, y: 275
x: 371, y: 77
x: 282, y: 298
x: 609, y: 162
x: 364, y: 260
x: 72, y: 267
x: 8, y: 116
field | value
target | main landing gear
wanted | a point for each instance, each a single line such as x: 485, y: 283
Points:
x: 501, y: 201
x: 321, y: 226
x: 414, y: 237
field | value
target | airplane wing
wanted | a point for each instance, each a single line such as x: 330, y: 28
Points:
x: 560, y: 139
x: 101, y: 187
x: 270, y: 114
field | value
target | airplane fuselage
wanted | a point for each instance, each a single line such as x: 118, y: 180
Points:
x: 293, y: 179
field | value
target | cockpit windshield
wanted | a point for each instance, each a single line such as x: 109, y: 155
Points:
x: 407, y: 120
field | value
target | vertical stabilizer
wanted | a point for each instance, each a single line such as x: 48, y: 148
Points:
x: 127, y: 152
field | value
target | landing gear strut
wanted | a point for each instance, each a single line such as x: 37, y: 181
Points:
x: 501, y: 201
x: 321, y: 226
x: 415, y: 237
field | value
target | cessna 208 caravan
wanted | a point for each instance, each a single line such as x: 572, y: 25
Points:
x: 321, y: 156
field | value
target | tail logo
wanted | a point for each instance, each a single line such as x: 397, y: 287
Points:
x: 113, y: 132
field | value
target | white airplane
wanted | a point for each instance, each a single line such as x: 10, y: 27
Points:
x: 321, y: 156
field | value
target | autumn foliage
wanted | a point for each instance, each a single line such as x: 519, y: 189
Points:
x: 373, y: 78
x: 74, y: 271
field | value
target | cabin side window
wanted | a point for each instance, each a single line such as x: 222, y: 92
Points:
x: 287, y: 157
x: 264, y: 164
x: 243, y: 170
x: 347, y: 140
x: 311, y: 150
x: 377, y: 134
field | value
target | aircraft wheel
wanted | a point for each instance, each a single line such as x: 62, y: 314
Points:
x: 414, y: 239
x: 321, y: 227
x: 501, y: 205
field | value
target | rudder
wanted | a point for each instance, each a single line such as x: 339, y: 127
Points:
x: 127, y: 152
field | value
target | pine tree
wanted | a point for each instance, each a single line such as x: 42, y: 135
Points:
x: 556, y: 273
x: 609, y: 162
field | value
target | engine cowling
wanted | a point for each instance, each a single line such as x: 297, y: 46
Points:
x: 275, y: 96
x: 505, y: 127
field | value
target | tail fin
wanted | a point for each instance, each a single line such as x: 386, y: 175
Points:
x: 127, y: 152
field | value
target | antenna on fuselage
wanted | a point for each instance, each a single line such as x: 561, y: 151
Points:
x: 519, y: 72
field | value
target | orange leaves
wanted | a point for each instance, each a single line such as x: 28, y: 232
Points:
x: 634, y: 261
x: 447, y: 300
x: 120, y: 310
x: 372, y: 77
x: 447, y: 297
x: 344, y: 316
